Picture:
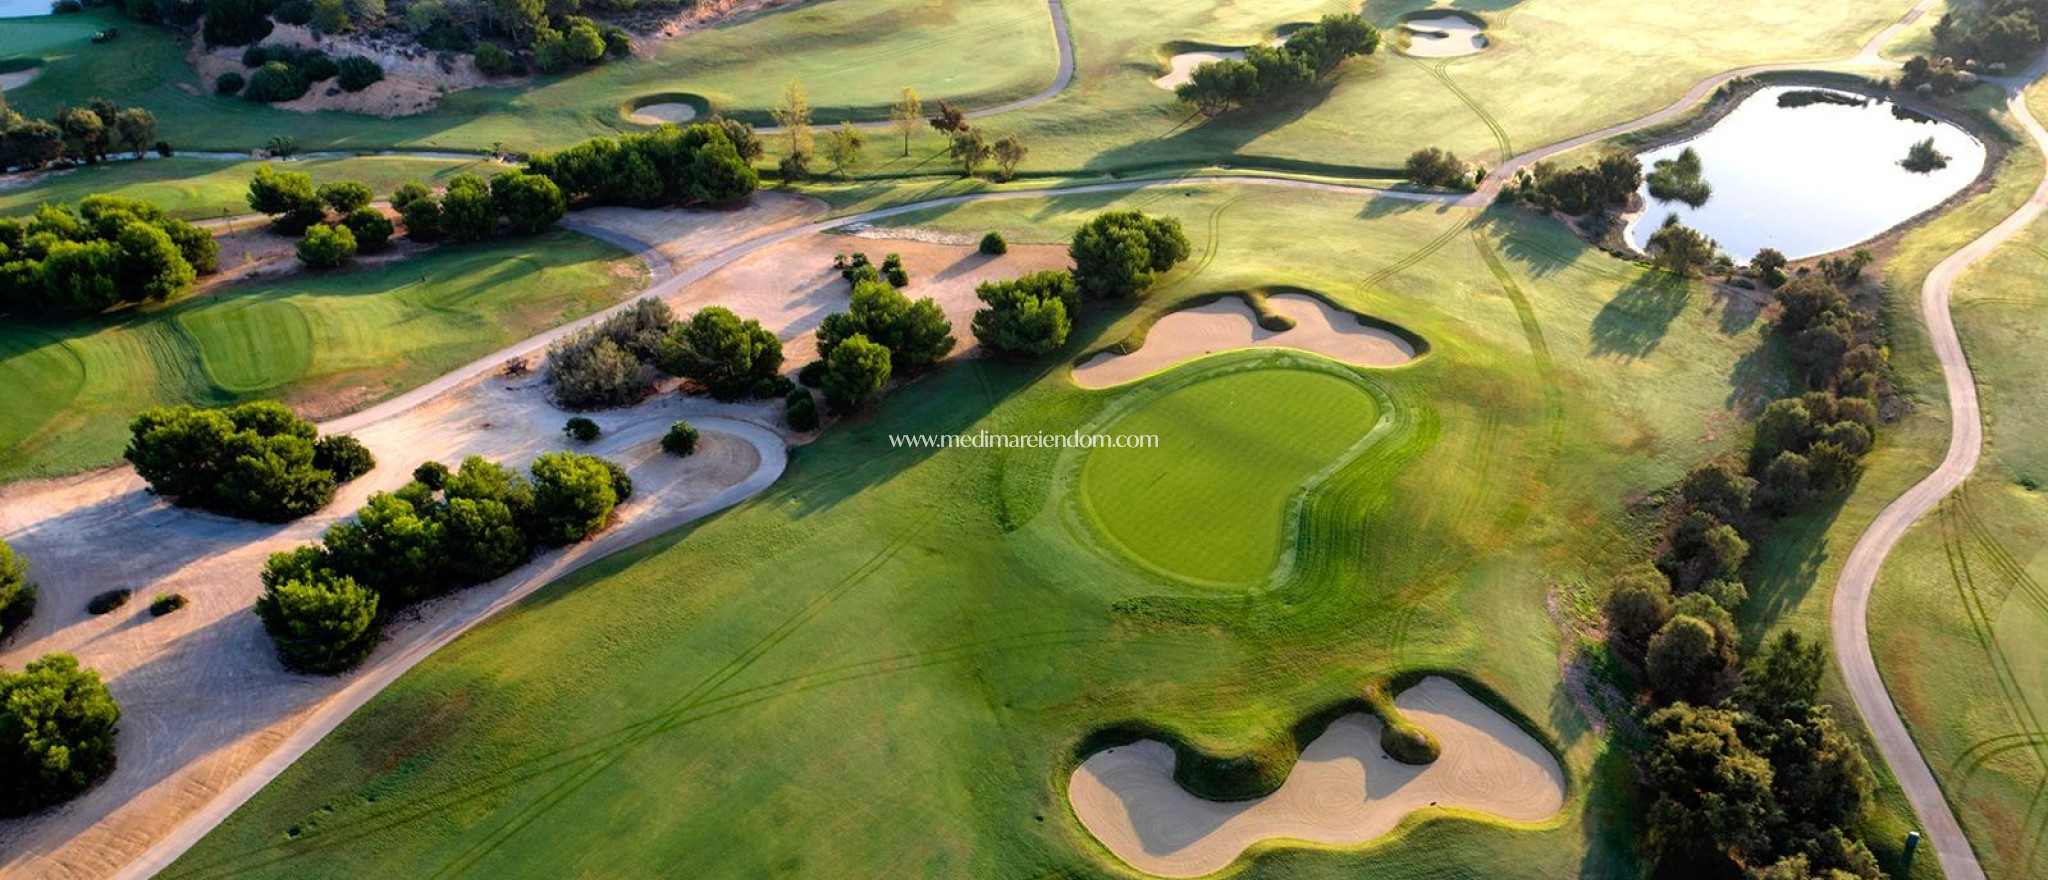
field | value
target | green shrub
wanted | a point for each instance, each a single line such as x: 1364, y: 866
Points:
x: 370, y: 227
x: 356, y: 73
x: 422, y: 218
x: 573, y: 496
x: 812, y: 374
x: 801, y: 412
x: 343, y: 196
x: 916, y: 334
x: 110, y: 600
x: 323, y: 623
x: 327, y: 246
x: 856, y: 371
x: 343, y: 456
x: 254, y: 460
x: 993, y: 244
x: 607, y: 365
x: 725, y: 354
x: 229, y: 83
x: 494, y: 61
x: 166, y: 603
x: 773, y: 386
x: 255, y: 56
x: 680, y: 441
x: 432, y: 475
x: 582, y: 430
x: 57, y: 726
x: 1120, y: 253
x: 17, y: 593
x: 276, y: 82
x: 317, y: 67
x: 296, y: 12
x: 1031, y: 315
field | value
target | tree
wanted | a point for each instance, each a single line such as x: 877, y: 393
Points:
x: 1769, y: 265
x: 530, y: 202
x: 482, y: 539
x: 1438, y: 167
x: 793, y: 113
x: 906, y: 116
x: 394, y: 546
x: 467, y: 212
x: 151, y: 265
x: 992, y: 244
x: 17, y: 592
x: 915, y: 333
x: 1217, y: 86
x: 1680, y: 249
x: 327, y: 246
x: 970, y: 150
x: 584, y: 44
x: 330, y: 16
x: 844, y: 147
x: 856, y: 370
x: 343, y: 456
x: 801, y: 411
x: 323, y: 623
x: 1637, y: 607
x: 236, y: 22
x: 1785, y: 678
x: 680, y: 441
x: 1031, y: 315
x: 372, y: 230
x: 254, y: 460
x: 287, y: 196
x: 57, y: 724
x: 723, y: 353
x: 581, y: 429
x: 422, y: 218
x: 82, y: 275
x: 343, y: 196
x: 950, y: 120
x: 137, y: 128
x: 1703, y: 549
x: 1119, y: 253
x: 522, y: 20
x: 573, y: 496
x: 274, y: 82
x: 1718, y: 488
x: 1009, y: 152
x: 85, y: 132
x: 1687, y: 660
x: 1712, y: 792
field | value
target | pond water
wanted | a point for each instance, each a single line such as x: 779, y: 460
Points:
x: 19, y: 8
x: 1810, y: 179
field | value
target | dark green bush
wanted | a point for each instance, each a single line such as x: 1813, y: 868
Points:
x: 229, y: 83
x: 317, y: 67
x: 1119, y: 253
x: 356, y: 73
x: 582, y: 430
x: 812, y: 375
x: 253, y: 461
x: 370, y: 227
x: 298, y: 12
x: 609, y: 364
x: 255, y: 56
x: 166, y: 603
x: 108, y: 601
x: 681, y: 440
x: 323, y: 623
x: 432, y: 475
x: 274, y: 82
x: 17, y: 594
x: 993, y: 244
x: 725, y: 354
x: 801, y: 411
x: 57, y: 724
x: 327, y: 246
x: 773, y: 386
x: 343, y: 456
x: 573, y: 496
x: 494, y: 61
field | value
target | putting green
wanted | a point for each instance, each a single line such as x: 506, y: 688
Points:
x: 1211, y: 502
x: 249, y: 345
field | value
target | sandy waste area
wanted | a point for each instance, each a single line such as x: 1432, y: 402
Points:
x: 1229, y: 324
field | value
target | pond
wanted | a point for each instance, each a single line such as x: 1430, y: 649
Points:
x: 1812, y: 178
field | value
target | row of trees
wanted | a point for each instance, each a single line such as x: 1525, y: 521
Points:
x: 257, y: 460
x: 1309, y: 54
x: 2000, y: 32
x: 1746, y: 769
x: 286, y: 73
x: 1438, y: 167
x: 472, y: 209
x: 705, y: 163
x: 846, y: 146
x: 324, y: 604
x: 1606, y: 185
x: 103, y: 251
x: 85, y: 133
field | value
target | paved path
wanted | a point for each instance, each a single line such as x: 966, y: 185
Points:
x: 1850, y: 613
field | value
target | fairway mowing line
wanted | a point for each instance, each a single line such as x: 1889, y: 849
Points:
x: 1439, y: 71
x: 2003, y: 562
x: 1215, y: 236
x: 1953, y: 527
x: 1428, y: 249
x: 691, y: 699
x: 323, y: 838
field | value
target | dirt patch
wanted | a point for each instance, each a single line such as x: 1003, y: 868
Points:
x: 414, y: 79
x: 1229, y: 323
x: 1344, y: 791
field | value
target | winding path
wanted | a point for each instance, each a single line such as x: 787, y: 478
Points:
x: 1851, y: 599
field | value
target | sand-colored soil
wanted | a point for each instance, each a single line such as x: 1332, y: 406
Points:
x: 414, y: 79
x: 1229, y: 323
x: 791, y: 287
x: 1443, y: 36
x: 19, y: 78
x: 1181, y: 68
x: 657, y: 114
x: 1344, y: 791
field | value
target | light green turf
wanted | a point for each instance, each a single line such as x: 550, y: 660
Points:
x: 1960, y: 616
x: 898, y: 651
x: 323, y: 341
x: 1210, y: 502
x: 197, y: 189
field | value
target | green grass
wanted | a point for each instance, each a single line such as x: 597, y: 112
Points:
x: 1210, y: 502
x: 323, y: 341
x: 1960, y: 613
x: 196, y: 189
x: 899, y: 651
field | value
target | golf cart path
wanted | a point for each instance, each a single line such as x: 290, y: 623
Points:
x: 1848, y: 617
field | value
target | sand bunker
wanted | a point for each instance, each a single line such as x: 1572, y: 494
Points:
x: 657, y: 114
x: 1181, y: 68
x: 1344, y: 791
x: 11, y: 81
x: 1443, y: 36
x: 1229, y: 324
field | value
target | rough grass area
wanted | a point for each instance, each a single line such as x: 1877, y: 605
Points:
x: 1211, y: 502
x: 324, y: 342
x: 197, y: 189
x: 900, y: 650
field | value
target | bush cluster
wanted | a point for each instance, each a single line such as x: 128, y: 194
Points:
x: 2000, y: 32
x: 1438, y: 167
x: 1605, y: 185
x: 681, y: 440
x: 610, y: 363
x: 915, y: 332
x: 1026, y: 316
x: 57, y: 724
x: 993, y: 244
x: 256, y: 460
x: 85, y: 133
x: 17, y: 592
x: 166, y: 603
x: 323, y: 604
x: 1679, y: 179
x: 582, y: 430
x: 730, y: 357
x: 1746, y: 767
x: 1309, y: 54
x: 108, y: 601
x: 103, y: 251
x: 700, y: 164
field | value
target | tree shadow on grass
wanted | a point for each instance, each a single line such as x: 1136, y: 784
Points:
x: 1632, y: 324
x: 1192, y: 140
x: 1788, y: 570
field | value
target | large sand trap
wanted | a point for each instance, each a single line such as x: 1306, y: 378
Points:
x: 1344, y: 791
x: 1443, y: 36
x: 1229, y: 324
x: 1181, y: 68
x: 658, y: 114
x: 11, y: 81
